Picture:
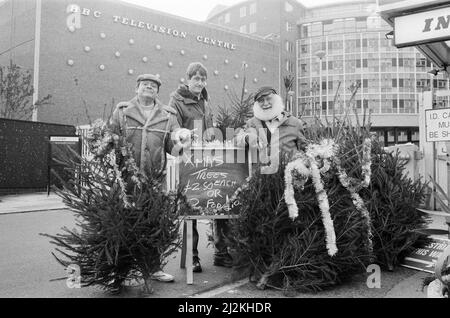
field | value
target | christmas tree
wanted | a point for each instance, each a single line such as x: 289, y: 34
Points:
x: 127, y: 225
x: 328, y: 212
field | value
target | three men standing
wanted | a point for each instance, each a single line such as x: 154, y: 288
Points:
x: 155, y: 129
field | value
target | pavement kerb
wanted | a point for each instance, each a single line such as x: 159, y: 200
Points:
x: 37, y: 210
x: 219, y: 289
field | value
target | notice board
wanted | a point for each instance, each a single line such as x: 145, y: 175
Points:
x: 210, y: 177
x: 424, y: 259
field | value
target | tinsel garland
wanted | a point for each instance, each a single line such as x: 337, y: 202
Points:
x: 314, y: 152
x: 119, y: 180
x: 101, y: 141
x: 324, y: 206
x: 347, y: 182
x: 324, y: 152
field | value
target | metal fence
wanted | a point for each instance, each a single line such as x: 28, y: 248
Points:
x: 24, y: 153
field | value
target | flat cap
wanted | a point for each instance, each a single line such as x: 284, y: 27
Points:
x: 264, y: 91
x: 149, y: 77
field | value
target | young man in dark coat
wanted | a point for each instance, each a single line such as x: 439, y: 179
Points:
x: 191, y: 103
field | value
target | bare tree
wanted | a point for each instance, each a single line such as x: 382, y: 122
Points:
x: 16, y: 91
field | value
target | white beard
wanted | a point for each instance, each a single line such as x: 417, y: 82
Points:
x: 271, y: 113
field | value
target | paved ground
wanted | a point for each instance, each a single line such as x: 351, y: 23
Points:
x: 403, y: 283
x: 20, y: 203
x: 27, y: 267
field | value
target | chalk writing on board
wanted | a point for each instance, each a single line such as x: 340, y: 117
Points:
x: 209, y: 182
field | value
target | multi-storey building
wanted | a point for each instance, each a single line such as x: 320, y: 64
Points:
x: 270, y: 19
x: 339, y: 47
x: 342, y: 46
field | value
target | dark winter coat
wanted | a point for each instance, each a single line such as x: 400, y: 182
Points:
x: 290, y: 133
x: 189, y: 108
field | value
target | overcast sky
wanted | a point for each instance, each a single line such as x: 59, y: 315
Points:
x: 199, y: 9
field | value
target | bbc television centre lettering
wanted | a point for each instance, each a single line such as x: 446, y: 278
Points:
x: 75, y: 12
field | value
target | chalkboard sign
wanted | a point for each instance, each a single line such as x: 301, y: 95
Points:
x: 210, y: 177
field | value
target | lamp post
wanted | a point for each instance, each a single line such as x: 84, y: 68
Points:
x: 320, y: 54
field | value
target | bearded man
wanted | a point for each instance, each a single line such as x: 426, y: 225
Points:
x: 272, y: 128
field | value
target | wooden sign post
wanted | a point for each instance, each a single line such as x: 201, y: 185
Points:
x: 210, y: 177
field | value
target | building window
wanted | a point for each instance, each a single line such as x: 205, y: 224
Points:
x: 415, y: 135
x: 421, y: 62
x: 402, y: 136
x: 289, y: 66
x: 303, y: 68
x: 227, y: 18
x: 252, y: 27
x: 289, y: 26
x: 306, y: 30
x: 288, y: 7
x: 304, y: 48
x: 243, y: 12
x: 289, y: 46
x: 252, y: 8
x: 243, y: 29
x: 391, y: 137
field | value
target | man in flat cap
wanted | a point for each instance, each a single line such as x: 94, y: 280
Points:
x: 273, y: 127
x: 148, y: 125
